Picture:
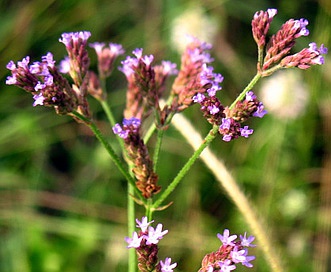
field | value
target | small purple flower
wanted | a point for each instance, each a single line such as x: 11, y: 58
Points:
x: 226, y: 239
x: 238, y: 256
x: 169, y: 68
x: 98, y: 46
x: 260, y: 112
x: 138, y: 52
x: 39, y: 99
x: 247, y: 241
x: 64, y: 66
x: 227, y: 266
x: 198, y: 98
x: 250, y: 96
x: 117, y: 129
x: 166, y: 266
x: 48, y: 59
x: 226, y: 123
x: 245, y: 131
x: 116, y: 49
x: 154, y: 235
x: 212, y: 91
x: 301, y: 26
x: 143, y: 225
x: 248, y: 260
x: 24, y: 63
x: 148, y: 59
x: 68, y: 38
x: 271, y: 12
x: 227, y: 138
x: 135, y: 241
x: 213, y: 109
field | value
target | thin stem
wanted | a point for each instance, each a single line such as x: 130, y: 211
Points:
x: 260, y: 57
x: 211, y: 135
x: 132, y: 261
x: 160, y: 133
x: 248, y: 88
x: 117, y: 161
x: 234, y: 192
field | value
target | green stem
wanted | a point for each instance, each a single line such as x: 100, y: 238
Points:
x: 211, y: 136
x: 117, y: 161
x: 260, y: 57
x: 248, y: 88
x: 108, y: 112
x: 132, y: 261
x: 160, y: 133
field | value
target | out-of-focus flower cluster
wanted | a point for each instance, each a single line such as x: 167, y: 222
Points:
x: 278, y: 48
x: 231, y: 253
x: 145, y: 242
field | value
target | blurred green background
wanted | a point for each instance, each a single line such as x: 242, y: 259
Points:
x: 63, y: 203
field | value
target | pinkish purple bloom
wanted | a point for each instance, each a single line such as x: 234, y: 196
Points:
x: 154, y: 235
x: 245, y: 131
x: 226, y: 239
x: 260, y: 112
x: 135, y: 241
x: 166, y: 266
x: 72, y: 37
x: 247, y: 241
x: 143, y: 225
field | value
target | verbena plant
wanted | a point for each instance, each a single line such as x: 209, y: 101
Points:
x: 66, y: 87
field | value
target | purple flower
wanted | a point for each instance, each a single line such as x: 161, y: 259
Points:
x: 226, y: 266
x: 117, y: 129
x: 135, y: 241
x: 68, y: 38
x: 301, y: 26
x: 154, y: 235
x: 39, y: 99
x: 247, y: 241
x: 169, y: 68
x: 238, y: 256
x: 245, y: 132
x: 248, y: 260
x: 138, y: 52
x: 166, y: 266
x: 143, y: 225
x: 226, y: 123
x: 64, y: 66
x: 271, y: 12
x: 227, y: 138
x: 198, y: 98
x: 133, y: 121
x: 250, y: 96
x: 226, y: 239
x: 260, y: 112
x: 213, y: 109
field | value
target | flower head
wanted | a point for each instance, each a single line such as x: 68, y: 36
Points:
x: 231, y: 253
x: 106, y: 56
x: 166, y: 266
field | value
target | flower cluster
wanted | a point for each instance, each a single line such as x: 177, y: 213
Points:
x: 137, y: 154
x: 229, y: 254
x: 48, y: 87
x: 280, y: 44
x: 188, y: 83
x: 106, y: 57
x: 146, y: 84
x: 145, y: 242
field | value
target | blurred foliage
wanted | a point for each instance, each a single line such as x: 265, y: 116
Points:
x: 63, y: 203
